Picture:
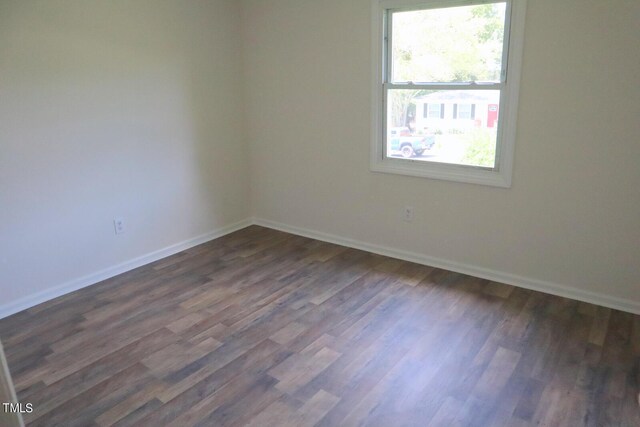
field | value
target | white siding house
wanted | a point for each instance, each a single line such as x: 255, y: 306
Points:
x: 447, y: 110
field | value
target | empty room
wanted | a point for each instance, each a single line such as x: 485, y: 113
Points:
x: 319, y: 213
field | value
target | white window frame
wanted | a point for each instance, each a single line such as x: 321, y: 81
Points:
x: 439, y: 116
x: 459, y: 111
x: 501, y: 174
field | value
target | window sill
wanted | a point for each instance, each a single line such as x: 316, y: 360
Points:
x: 441, y: 171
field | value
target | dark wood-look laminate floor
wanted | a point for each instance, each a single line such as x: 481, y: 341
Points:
x: 264, y: 328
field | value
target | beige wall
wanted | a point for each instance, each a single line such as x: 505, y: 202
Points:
x: 114, y: 108
x: 572, y: 216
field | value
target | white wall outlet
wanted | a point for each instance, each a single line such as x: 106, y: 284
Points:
x: 118, y: 225
x: 407, y: 214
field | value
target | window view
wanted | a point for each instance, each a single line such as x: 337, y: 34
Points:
x: 443, y: 84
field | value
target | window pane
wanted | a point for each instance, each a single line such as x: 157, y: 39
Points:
x: 465, y: 111
x: 455, y: 44
x: 434, y: 111
x: 449, y: 126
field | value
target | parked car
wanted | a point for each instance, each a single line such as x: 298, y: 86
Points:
x: 401, y: 142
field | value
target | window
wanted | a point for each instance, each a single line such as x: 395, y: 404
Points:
x: 434, y: 111
x: 459, y: 62
x: 464, y: 111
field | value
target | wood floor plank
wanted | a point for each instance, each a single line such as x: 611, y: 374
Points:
x: 52, y: 396
x: 277, y: 413
x: 497, y: 373
x: 264, y: 328
x: 131, y: 404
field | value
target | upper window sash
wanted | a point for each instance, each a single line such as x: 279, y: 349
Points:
x: 394, y: 6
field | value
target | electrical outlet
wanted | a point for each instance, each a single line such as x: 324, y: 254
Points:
x: 408, y: 214
x: 118, y: 225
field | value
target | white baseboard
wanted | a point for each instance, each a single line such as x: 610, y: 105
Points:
x: 91, y: 279
x: 471, y: 270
